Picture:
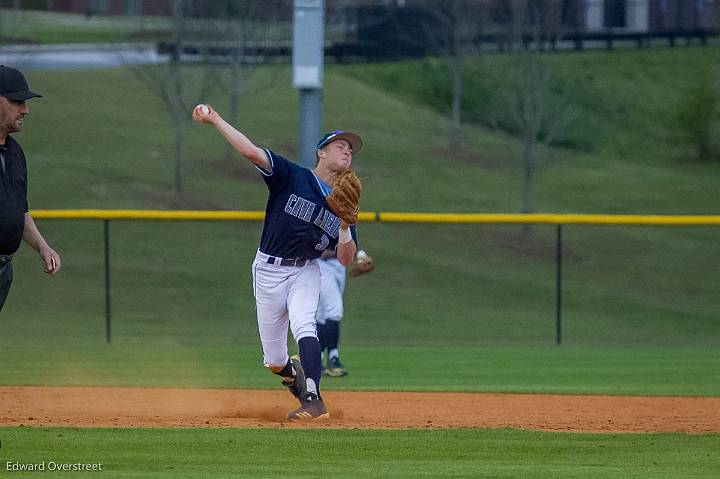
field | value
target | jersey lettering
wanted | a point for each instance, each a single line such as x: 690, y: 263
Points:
x: 323, y: 244
x: 306, y: 211
x: 328, y: 222
x: 300, y: 207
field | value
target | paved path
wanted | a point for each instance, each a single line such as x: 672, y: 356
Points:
x: 78, y: 56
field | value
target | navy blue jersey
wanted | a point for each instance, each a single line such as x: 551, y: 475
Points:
x: 298, y: 221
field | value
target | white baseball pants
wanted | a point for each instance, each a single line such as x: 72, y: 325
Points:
x: 285, y: 296
x: 332, y: 286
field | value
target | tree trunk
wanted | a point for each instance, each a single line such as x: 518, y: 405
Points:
x: 176, y: 98
x: 178, y: 114
x: 456, y: 65
x: 179, y: 155
x: 235, y: 81
x: 456, y: 115
x: 178, y: 12
x: 527, y: 198
x: 233, y: 107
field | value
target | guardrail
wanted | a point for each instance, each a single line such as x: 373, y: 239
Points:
x: 559, y: 220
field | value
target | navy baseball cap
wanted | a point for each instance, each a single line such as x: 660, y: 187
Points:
x: 354, y: 140
x: 14, y: 86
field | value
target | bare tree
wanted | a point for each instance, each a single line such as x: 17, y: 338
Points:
x: 237, y: 27
x: 536, y: 112
x: 221, y: 37
x: 462, y: 21
x: 180, y: 83
x: 241, y: 30
x: 450, y: 29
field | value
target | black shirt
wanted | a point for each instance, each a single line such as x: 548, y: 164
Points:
x: 13, y: 196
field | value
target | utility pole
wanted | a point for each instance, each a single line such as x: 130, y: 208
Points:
x: 308, y: 64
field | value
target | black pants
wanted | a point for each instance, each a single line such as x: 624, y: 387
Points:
x: 6, y: 277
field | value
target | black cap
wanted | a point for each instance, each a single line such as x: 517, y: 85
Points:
x: 14, y: 86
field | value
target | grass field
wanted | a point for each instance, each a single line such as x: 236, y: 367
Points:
x: 452, y: 308
x: 673, y: 372
x: 460, y: 286
x: 43, y: 27
x: 334, y: 453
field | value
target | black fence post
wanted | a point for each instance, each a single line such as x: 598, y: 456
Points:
x: 108, y: 331
x: 558, y: 287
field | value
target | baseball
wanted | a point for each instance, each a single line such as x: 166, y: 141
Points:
x: 204, y: 109
x: 361, y: 255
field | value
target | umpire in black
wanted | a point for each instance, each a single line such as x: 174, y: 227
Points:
x: 15, y: 221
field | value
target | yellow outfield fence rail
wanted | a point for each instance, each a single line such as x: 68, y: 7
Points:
x: 557, y: 220
x: 552, y: 219
x: 176, y: 215
x: 392, y: 217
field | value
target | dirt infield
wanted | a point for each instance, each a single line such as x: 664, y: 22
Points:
x: 213, y: 408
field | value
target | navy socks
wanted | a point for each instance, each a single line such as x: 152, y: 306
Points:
x: 332, y: 334
x: 329, y: 335
x: 310, y: 358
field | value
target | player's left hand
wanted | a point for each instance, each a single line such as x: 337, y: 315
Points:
x: 344, y: 200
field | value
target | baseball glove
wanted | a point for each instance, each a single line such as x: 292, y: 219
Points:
x: 362, y: 264
x: 344, y: 200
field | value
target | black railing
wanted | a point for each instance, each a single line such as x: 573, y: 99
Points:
x: 548, y: 219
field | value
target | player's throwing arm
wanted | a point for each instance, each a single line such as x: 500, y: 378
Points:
x: 206, y: 114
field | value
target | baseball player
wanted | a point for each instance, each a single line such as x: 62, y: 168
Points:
x: 299, y: 226
x: 330, y: 308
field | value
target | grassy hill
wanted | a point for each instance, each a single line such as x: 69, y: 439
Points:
x: 623, y: 104
x: 622, y: 150
x: 100, y: 139
x: 42, y: 27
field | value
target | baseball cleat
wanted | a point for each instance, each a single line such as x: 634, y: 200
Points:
x: 312, y: 409
x: 296, y: 386
x: 335, y: 368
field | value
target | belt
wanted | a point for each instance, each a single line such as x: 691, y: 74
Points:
x: 5, y: 258
x: 287, y: 261
x: 277, y: 261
